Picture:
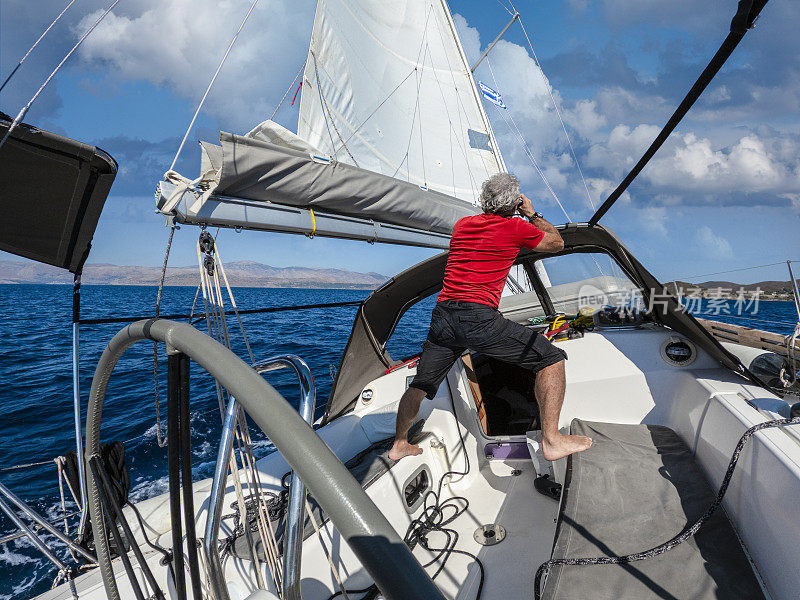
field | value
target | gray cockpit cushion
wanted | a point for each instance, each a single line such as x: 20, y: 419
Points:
x: 635, y: 488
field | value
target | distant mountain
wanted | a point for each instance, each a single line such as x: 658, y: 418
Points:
x: 766, y: 287
x: 243, y: 273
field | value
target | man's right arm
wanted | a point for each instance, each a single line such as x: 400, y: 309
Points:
x: 552, y: 240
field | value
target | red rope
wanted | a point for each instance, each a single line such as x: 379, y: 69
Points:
x: 296, y: 92
x: 555, y: 332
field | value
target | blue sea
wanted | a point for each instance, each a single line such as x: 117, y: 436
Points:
x: 36, y: 385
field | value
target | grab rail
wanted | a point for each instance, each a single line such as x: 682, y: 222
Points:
x: 293, y: 536
x: 297, y: 493
x: 361, y: 524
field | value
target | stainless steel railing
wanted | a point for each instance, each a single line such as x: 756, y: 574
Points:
x: 366, y: 530
x: 293, y: 537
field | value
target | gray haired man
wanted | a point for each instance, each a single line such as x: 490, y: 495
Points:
x: 482, y: 250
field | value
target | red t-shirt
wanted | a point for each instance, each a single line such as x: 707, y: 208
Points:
x: 482, y: 250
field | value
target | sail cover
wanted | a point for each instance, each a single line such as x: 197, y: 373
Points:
x: 258, y: 170
x: 387, y: 88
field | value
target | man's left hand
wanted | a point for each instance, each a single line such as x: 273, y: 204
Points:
x: 527, y: 206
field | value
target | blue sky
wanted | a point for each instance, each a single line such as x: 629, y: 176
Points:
x: 723, y: 193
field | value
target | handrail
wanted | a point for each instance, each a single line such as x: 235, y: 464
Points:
x: 293, y: 532
x: 297, y: 494
x: 362, y: 525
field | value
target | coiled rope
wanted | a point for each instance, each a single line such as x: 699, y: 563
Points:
x: 688, y: 532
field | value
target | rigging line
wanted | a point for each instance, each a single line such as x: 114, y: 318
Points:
x: 421, y: 144
x: 327, y: 108
x: 484, y: 118
x: 462, y: 109
x: 530, y: 155
x: 160, y: 440
x: 558, y: 112
x: 321, y: 102
x: 289, y: 89
x: 450, y: 134
x: 408, y: 146
x: 235, y: 307
x: 459, y: 108
x: 36, y: 43
x: 27, y: 465
x: 423, y: 49
x: 736, y: 270
x: 505, y: 7
x: 358, y: 128
x: 211, y: 83
x: 416, y: 109
x: 27, y: 107
x: 539, y: 170
x: 533, y: 160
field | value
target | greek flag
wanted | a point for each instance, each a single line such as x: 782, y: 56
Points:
x: 491, y: 95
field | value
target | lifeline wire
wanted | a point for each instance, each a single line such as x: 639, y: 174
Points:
x: 211, y: 83
x: 27, y: 107
x: 688, y: 532
x: 36, y: 43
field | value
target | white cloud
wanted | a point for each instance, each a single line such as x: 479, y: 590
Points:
x: 689, y: 163
x: 585, y: 118
x: 713, y: 245
x: 719, y: 94
x: 179, y: 43
x: 621, y: 149
x: 746, y: 166
x: 620, y: 105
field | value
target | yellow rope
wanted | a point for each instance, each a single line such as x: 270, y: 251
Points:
x: 313, y: 224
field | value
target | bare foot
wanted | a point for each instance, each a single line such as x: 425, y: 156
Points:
x: 402, y: 449
x: 564, y: 445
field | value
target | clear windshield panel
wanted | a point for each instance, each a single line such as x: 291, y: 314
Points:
x: 587, y: 280
x: 519, y: 301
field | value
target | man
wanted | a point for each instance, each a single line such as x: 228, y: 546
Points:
x: 482, y: 250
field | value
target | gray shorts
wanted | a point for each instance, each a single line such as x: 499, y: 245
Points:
x: 457, y: 326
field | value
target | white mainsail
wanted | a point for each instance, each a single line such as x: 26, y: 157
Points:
x: 387, y: 88
x: 392, y: 136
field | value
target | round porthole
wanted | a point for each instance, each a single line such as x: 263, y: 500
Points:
x: 678, y: 352
x: 366, y: 396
